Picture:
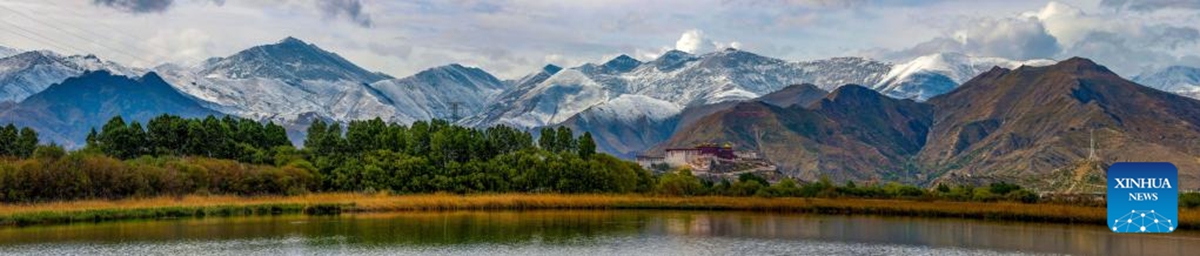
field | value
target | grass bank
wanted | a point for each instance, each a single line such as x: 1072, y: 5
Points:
x: 334, y: 203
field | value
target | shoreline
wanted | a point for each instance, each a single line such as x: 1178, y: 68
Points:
x: 93, y: 211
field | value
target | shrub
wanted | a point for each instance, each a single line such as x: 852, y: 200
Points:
x: 1189, y: 200
x: 679, y: 183
x: 1024, y: 196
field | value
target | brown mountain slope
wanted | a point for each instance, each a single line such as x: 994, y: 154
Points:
x: 853, y: 133
x: 627, y: 139
x: 1032, y: 120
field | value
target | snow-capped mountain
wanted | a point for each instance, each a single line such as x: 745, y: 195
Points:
x: 5, y: 51
x: 27, y: 73
x: 627, y: 124
x: 285, y: 82
x: 551, y: 101
x: 829, y: 74
x: 267, y: 99
x: 434, y: 93
x: 66, y: 111
x: 289, y: 60
x: 677, y: 77
x: 935, y: 74
x: 1180, y: 80
x: 510, y: 98
x: 730, y: 75
x: 630, y: 107
x: 292, y: 82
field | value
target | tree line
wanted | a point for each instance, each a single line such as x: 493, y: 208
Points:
x: 171, y: 155
x: 437, y: 156
x: 177, y: 156
x: 18, y: 143
x: 224, y: 138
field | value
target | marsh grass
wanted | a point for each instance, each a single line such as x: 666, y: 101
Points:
x: 336, y: 203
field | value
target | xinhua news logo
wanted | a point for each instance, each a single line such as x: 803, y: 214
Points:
x: 1143, y: 197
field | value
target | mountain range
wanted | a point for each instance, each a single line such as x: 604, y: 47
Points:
x: 27, y: 73
x: 1006, y: 124
x: 1180, y: 80
x: 849, y: 118
x: 65, y: 112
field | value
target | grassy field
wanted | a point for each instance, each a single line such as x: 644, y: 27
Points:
x: 335, y: 203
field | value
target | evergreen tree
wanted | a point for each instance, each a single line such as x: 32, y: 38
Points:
x: 136, y: 145
x: 566, y: 140
x: 165, y: 135
x: 8, y: 140
x: 113, y: 138
x: 27, y: 142
x: 547, y: 140
x: 316, y: 133
x: 276, y: 136
x: 418, y: 139
x: 332, y: 142
x: 91, y: 138
x: 587, y: 146
x: 196, y: 141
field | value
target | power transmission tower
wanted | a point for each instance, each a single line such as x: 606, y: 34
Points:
x: 454, y: 110
x: 1092, y: 147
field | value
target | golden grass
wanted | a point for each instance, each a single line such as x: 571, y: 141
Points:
x: 1189, y: 218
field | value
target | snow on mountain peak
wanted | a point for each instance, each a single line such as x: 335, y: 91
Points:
x: 622, y: 63
x: 551, y: 101
x: 551, y: 69
x: 27, y: 73
x: 629, y: 108
x: 1182, y: 80
x: 439, y: 92
x: 291, y: 40
x: 290, y: 59
x: 5, y: 52
x: 935, y: 74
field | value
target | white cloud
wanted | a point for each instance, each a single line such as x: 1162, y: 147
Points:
x: 179, y: 46
x: 512, y: 38
x: 1150, y: 5
x: 1126, y: 42
x: 692, y: 41
x: 1014, y: 38
x: 1067, y: 23
x: 351, y: 10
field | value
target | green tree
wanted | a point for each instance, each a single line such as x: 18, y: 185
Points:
x: 115, y: 138
x: 566, y: 140
x: 680, y: 183
x: 196, y: 143
x: 49, y: 152
x: 276, y: 136
x: 8, y: 140
x: 91, y: 138
x: 548, y: 140
x: 165, y: 135
x: 27, y: 142
x: 587, y: 146
x: 316, y: 134
x: 136, y: 145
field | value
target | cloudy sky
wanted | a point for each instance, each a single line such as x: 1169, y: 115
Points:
x: 511, y: 38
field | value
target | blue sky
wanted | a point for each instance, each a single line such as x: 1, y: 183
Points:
x: 511, y: 38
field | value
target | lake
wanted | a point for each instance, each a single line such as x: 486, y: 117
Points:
x: 586, y: 233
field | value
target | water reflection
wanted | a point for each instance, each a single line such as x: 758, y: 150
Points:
x: 589, y: 232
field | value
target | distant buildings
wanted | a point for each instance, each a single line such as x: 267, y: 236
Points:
x: 698, y: 158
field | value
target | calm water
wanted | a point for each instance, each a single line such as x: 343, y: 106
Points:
x: 585, y: 232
